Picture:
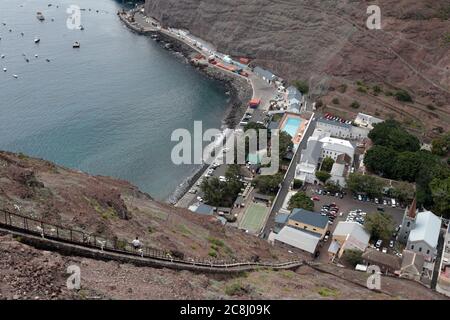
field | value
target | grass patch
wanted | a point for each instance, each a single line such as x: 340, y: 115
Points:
x: 216, y: 242
x: 328, y: 292
x: 235, y: 289
x: 184, y: 230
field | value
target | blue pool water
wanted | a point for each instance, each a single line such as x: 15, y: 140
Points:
x: 291, y: 126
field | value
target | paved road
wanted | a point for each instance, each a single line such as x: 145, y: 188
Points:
x: 287, y: 182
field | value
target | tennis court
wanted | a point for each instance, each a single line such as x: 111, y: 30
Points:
x: 254, y: 217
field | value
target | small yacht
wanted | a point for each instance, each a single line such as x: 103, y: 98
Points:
x: 81, y: 27
x: 15, y: 76
x: 4, y: 70
x: 37, y: 40
x: 2, y: 56
x: 40, y: 16
x: 76, y: 44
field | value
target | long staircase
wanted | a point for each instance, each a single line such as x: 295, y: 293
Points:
x: 68, y: 241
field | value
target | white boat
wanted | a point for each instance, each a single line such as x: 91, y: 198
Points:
x: 40, y: 16
x: 76, y: 44
x: 37, y: 40
x: 15, y: 76
x: 4, y: 70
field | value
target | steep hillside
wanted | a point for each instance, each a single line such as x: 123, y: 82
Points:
x: 328, y: 44
x: 113, y: 208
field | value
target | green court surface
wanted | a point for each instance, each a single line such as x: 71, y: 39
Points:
x: 254, y: 217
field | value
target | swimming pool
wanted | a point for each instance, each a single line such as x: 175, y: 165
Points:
x: 291, y: 125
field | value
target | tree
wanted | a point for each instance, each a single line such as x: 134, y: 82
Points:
x: 410, y: 165
x: 379, y: 160
x: 327, y: 164
x: 222, y: 194
x: 440, y: 191
x: 391, y: 134
x: 268, y: 184
x: 371, y: 185
x: 380, y: 225
x: 335, y: 101
x: 285, y: 144
x: 301, y: 86
x: 353, y: 257
x: 441, y: 145
x: 332, y: 187
x: 403, y: 191
x: 323, y: 176
x: 297, y: 184
x: 302, y: 201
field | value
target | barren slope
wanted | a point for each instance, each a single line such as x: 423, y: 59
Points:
x: 115, y: 208
x: 327, y: 43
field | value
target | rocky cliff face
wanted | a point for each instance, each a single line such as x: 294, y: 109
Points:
x: 327, y: 42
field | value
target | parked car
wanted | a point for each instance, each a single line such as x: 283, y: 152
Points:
x: 384, y: 250
x: 360, y: 197
x: 391, y: 244
x: 328, y: 233
x: 315, y: 198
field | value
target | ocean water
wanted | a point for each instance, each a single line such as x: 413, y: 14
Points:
x: 108, y: 108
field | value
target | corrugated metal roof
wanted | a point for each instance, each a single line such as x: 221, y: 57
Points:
x: 264, y: 73
x: 334, y: 123
x: 298, y: 239
x: 358, y: 236
x: 427, y: 229
x: 308, y: 217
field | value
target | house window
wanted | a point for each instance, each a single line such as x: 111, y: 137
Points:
x: 428, y: 251
x: 408, y: 224
x: 412, y: 247
x: 420, y: 249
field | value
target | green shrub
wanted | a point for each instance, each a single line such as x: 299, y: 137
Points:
x: 234, y: 289
x: 355, y: 105
x: 403, y: 95
x: 335, y: 101
x: 297, y: 184
x: 362, y: 89
x: 212, y: 253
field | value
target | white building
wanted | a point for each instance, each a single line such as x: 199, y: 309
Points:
x: 366, y: 121
x: 333, y: 147
x: 319, y: 146
x: 343, y: 130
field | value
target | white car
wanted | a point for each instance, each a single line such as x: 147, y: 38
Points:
x: 378, y: 244
x: 384, y: 250
x: 391, y: 244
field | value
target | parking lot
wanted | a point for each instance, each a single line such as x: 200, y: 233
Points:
x: 350, y: 209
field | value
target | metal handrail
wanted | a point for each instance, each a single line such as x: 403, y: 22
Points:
x: 63, y: 234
